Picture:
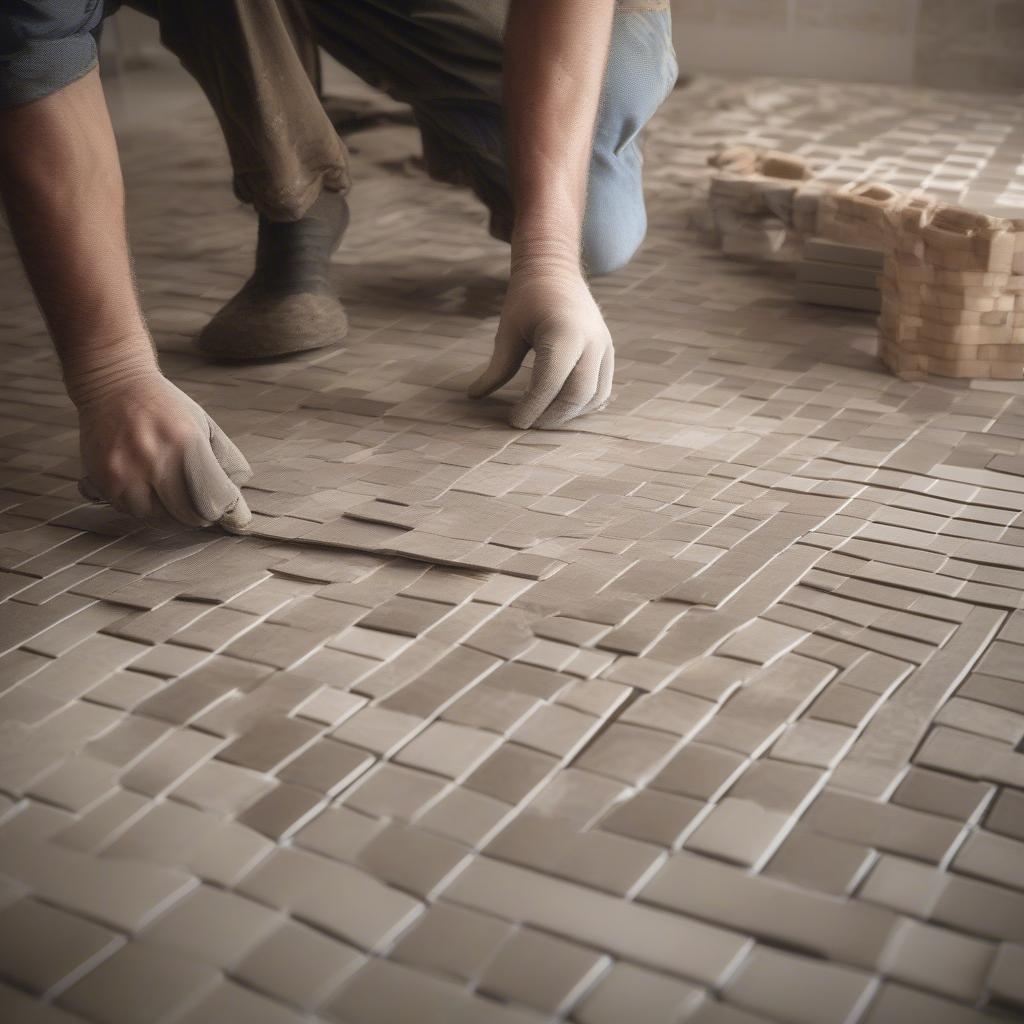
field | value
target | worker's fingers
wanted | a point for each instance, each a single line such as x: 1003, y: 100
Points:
x: 556, y: 354
x: 605, y: 380
x: 509, y: 352
x: 237, y: 517
x: 228, y: 455
x: 577, y: 392
x: 212, y: 493
x: 173, y: 494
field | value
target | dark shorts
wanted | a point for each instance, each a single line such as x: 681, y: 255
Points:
x: 46, y: 45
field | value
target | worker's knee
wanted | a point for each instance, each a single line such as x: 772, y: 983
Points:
x: 612, y: 233
x: 640, y: 74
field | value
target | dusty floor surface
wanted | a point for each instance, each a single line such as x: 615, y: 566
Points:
x: 708, y: 709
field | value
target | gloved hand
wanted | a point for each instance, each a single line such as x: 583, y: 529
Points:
x: 151, y: 452
x: 553, y: 313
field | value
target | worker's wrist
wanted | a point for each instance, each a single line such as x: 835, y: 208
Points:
x: 545, y: 254
x: 103, y: 368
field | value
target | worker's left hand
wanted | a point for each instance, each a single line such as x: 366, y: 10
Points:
x: 553, y: 313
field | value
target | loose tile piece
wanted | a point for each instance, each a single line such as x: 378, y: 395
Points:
x: 541, y: 971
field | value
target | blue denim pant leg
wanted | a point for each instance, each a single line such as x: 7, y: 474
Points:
x: 641, y: 73
x: 444, y: 58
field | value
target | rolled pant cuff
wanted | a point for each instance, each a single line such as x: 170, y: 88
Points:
x: 291, y: 203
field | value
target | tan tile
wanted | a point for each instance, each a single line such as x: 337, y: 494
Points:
x: 269, y: 743
x: 298, y: 965
x: 1007, y: 814
x: 850, y: 932
x: 339, y: 833
x: 213, y: 926
x: 486, y: 707
x: 777, y: 784
x: 97, y: 828
x: 44, y: 950
x: 449, y: 750
x: 699, y: 771
x: 670, y: 711
x: 980, y: 908
x: 330, y: 706
x: 938, y: 960
x: 452, y: 941
x: 739, y: 831
x: 556, y: 730
x: 336, y: 898
x: 897, y: 1003
x: 540, y: 971
x: 627, y: 752
x: 405, y: 615
x: 653, y: 817
x: 602, y: 860
x: 139, y: 983
x: 511, y: 773
x: 820, y: 862
x: 626, y: 991
x: 466, y: 816
x: 222, y: 787
x: 624, y: 929
x: 383, y: 992
x: 282, y: 810
x: 412, y: 859
x: 122, y: 894
x: 77, y: 784
x: 577, y: 797
x: 17, y: 1005
x: 377, y: 729
x: 173, y: 758
x: 389, y: 790
x: 905, y: 885
x: 810, y: 742
x: 328, y: 766
x: 761, y: 642
x: 993, y: 857
x: 938, y: 793
x: 799, y: 989
x: 885, y: 826
x: 1006, y: 979
x: 224, y: 854
x: 228, y: 1001
x: 528, y: 680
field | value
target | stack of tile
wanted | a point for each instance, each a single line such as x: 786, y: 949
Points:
x: 953, y: 295
x: 858, y: 213
x: 758, y: 202
x: 834, y: 274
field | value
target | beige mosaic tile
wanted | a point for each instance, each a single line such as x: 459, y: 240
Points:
x: 709, y: 708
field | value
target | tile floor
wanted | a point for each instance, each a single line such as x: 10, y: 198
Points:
x: 709, y: 709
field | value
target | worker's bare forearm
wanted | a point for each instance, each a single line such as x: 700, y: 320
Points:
x: 62, y: 188
x: 555, y: 54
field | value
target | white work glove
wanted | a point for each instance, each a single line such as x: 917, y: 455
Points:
x: 151, y: 452
x: 553, y: 313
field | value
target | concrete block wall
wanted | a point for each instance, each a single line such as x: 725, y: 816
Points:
x: 959, y: 44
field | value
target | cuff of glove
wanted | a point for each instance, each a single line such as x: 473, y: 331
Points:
x: 108, y: 373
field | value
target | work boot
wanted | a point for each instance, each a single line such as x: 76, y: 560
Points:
x: 288, y: 305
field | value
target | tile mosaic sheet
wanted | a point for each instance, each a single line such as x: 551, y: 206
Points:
x: 709, y: 708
